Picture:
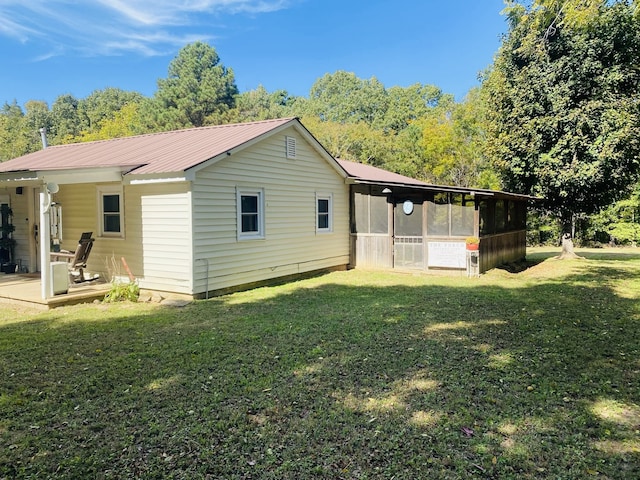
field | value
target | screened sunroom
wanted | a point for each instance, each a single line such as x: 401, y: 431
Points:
x: 425, y: 227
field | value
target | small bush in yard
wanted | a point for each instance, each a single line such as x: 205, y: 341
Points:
x: 121, y: 292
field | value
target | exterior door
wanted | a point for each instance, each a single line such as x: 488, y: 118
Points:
x: 408, y: 240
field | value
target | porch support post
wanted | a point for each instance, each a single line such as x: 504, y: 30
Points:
x: 45, y: 247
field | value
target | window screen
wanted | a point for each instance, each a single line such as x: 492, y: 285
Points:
x: 371, y: 214
x: 249, y: 213
x: 438, y: 216
x: 379, y: 215
x: 462, y: 214
x: 323, y: 213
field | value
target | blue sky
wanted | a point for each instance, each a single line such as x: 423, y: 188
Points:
x: 54, y: 47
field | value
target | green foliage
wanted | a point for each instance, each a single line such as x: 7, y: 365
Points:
x: 452, y: 145
x: 14, y: 136
x: 406, y: 105
x: 122, y: 292
x: 121, y: 124
x: 351, y: 141
x: 565, y: 118
x: 625, y: 233
x: 198, y: 91
x: 542, y: 228
x: 259, y: 104
x: 66, y: 120
x: 416, y: 131
x: 37, y: 116
x: 618, y: 223
x: 103, y: 105
x: 343, y: 97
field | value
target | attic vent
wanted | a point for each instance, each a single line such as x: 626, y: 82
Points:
x: 291, y: 147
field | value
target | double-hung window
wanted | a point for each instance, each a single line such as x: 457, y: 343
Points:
x: 250, y: 207
x: 111, y: 211
x: 324, y: 213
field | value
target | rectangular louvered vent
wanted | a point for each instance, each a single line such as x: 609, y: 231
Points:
x: 291, y: 147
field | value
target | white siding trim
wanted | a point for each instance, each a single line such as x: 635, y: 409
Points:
x: 167, y: 247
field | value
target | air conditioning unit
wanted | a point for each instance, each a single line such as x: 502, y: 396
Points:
x: 59, y: 277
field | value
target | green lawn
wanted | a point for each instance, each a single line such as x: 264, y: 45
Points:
x: 349, y: 375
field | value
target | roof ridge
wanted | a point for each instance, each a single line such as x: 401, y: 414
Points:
x: 181, y: 130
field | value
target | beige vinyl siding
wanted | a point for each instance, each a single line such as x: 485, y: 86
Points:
x: 79, y: 215
x: 166, y: 236
x: 291, y: 244
x: 157, y: 233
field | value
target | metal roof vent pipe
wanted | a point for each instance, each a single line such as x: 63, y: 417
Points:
x: 43, y: 135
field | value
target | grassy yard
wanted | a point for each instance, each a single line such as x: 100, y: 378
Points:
x: 349, y: 375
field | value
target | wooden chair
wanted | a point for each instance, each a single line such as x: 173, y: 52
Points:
x: 77, y: 260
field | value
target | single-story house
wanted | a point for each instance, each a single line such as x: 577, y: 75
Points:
x: 206, y: 210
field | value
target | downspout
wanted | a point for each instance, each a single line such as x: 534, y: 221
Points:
x: 206, y: 262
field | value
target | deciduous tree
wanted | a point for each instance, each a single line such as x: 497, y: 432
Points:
x: 103, y: 105
x: 14, y: 139
x: 66, y: 121
x: 565, y: 119
x: 37, y: 116
x: 343, y: 97
x: 259, y: 104
x: 123, y: 123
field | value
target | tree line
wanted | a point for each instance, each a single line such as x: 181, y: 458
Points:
x: 557, y: 116
x: 417, y: 130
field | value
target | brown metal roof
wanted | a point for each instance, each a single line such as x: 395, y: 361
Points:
x: 367, y: 174
x: 165, y: 152
x: 375, y: 174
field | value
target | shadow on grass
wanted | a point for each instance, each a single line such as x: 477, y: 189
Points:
x: 519, y: 266
x: 537, y: 254
x: 328, y: 379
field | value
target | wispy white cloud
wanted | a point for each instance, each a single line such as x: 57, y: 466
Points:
x: 146, y: 44
x: 169, y: 12
x: 14, y: 28
x: 145, y: 13
x: 115, y: 27
x: 56, y: 52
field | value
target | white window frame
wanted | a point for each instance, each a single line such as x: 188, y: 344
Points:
x: 107, y: 190
x: 329, y: 214
x: 259, y: 194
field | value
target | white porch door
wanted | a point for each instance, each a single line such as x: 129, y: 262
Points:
x: 408, y: 240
